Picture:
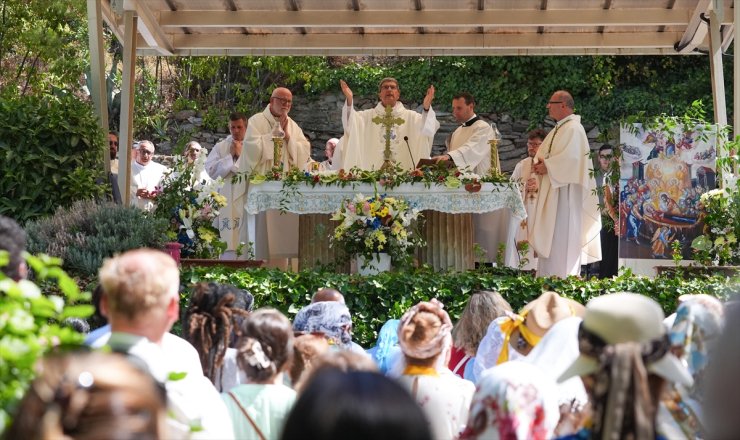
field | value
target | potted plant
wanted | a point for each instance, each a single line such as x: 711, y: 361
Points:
x: 377, y: 231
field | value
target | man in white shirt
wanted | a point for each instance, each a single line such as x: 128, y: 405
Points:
x: 411, y: 134
x: 146, y: 177
x: 141, y: 301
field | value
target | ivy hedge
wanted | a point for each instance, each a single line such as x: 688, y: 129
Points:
x: 373, y: 300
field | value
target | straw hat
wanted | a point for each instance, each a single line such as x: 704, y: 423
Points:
x: 548, y: 309
x: 627, y: 317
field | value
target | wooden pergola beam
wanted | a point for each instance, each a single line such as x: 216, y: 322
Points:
x: 428, y: 18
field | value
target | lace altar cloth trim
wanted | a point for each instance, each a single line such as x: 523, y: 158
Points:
x: 305, y: 199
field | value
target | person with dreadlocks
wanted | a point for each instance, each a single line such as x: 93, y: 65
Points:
x: 212, y: 324
x: 260, y: 407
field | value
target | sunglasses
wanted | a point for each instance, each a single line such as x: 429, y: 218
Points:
x: 113, y: 143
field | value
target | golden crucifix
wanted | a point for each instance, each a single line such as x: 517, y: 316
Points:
x: 388, y: 121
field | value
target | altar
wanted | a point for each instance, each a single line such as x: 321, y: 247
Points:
x: 450, y: 214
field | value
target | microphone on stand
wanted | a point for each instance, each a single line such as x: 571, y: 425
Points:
x: 413, y: 162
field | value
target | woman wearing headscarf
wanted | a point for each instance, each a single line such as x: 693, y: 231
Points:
x: 387, y: 346
x: 624, y: 361
x: 514, y: 400
x: 694, y: 334
x: 329, y: 318
x: 424, y: 337
x: 513, y: 336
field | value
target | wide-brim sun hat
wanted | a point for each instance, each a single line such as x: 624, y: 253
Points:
x: 548, y: 309
x: 627, y: 317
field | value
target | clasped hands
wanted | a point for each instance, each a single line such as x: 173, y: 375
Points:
x: 540, y: 168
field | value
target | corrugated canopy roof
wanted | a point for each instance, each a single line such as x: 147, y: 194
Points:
x: 419, y: 27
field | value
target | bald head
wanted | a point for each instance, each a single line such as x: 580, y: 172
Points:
x: 281, y: 101
x: 326, y: 295
x: 560, y: 105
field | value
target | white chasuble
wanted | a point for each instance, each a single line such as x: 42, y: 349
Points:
x: 364, y: 140
x: 567, y: 213
x: 275, y: 235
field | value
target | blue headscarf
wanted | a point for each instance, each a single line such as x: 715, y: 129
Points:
x: 387, y: 344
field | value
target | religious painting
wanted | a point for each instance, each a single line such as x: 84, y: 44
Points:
x: 663, y: 173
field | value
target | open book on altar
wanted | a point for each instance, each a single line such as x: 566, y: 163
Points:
x: 433, y: 163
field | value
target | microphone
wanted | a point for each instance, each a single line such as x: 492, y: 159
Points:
x: 413, y: 162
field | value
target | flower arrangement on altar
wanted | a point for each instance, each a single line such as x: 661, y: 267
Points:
x: 390, y: 178
x: 720, y: 211
x: 190, y: 202
x: 380, y: 224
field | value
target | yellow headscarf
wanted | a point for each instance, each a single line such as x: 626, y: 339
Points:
x: 515, y: 322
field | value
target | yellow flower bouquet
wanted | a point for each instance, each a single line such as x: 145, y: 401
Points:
x: 191, y: 203
x: 369, y: 226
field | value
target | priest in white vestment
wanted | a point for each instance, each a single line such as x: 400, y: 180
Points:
x: 568, y: 222
x: 411, y: 133
x: 528, y: 182
x: 469, y: 149
x: 223, y: 161
x: 276, y: 235
x: 146, y: 177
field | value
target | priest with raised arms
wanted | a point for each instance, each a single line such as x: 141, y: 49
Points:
x: 566, y: 233
x: 411, y: 133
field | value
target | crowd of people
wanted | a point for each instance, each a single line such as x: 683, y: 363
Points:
x: 614, y: 368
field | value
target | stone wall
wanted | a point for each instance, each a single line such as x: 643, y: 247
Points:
x: 321, y: 119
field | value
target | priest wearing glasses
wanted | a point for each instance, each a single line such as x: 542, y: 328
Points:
x: 568, y: 223
x: 389, y: 125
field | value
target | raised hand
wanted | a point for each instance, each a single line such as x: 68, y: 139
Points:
x: 347, y: 91
x: 428, y: 98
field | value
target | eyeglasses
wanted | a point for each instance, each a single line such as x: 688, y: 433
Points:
x: 145, y: 152
x: 113, y: 143
x: 283, y: 100
x: 389, y: 87
x: 606, y: 156
x: 534, y: 144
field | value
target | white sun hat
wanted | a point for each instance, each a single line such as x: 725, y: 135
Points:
x: 627, y: 317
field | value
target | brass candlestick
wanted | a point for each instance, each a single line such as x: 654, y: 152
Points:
x: 493, y: 142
